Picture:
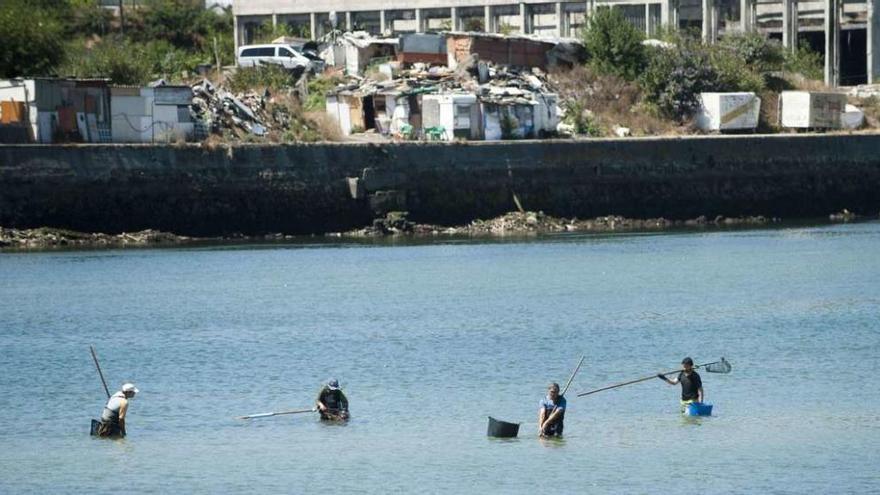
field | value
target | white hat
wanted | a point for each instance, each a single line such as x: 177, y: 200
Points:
x: 129, y: 387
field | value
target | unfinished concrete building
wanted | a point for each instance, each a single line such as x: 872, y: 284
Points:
x: 847, y: 31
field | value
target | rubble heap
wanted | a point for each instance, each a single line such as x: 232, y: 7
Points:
x: 240, y: 115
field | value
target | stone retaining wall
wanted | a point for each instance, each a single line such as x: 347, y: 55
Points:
x: 313, y: 188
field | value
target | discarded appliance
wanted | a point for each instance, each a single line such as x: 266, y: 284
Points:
x: 728, y: 111
x: 853, y: 117
x: 806, y: 109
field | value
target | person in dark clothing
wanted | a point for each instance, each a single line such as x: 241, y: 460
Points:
x: 691, y: 384
x: 332, y: 404
x: 551, y: 413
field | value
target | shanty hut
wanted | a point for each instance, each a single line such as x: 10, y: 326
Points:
x: 58, y: 110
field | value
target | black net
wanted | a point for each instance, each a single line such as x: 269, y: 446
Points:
x: 718, y: 367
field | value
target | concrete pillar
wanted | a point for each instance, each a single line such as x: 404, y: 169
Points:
x: 313, y: 25
x: 560, y: 20
x: 235, y: 35
x: 666, y: 13
x: 647, y: 20
x: 832, y: 43
x: 708, y: 21
x: 489, y: 26
x: 456, y: 22
x: 745, y: 17
x: 348, y: 21
x: 790, y: 24
x: 873, y: 41
x: 420, y: 21
x: 383, y: 27
x: 274, y: 21
x: 524, y: 18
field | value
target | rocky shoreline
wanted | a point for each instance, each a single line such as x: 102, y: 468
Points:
x: 393, y: 224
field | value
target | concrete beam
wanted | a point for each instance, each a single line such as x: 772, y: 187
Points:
x: 832, y: 42
x: 873, y: 41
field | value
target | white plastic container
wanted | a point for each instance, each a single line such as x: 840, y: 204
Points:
x: 806, y: 109
x: 728, y: 111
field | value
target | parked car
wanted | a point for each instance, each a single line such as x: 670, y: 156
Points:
x: 283, y: 55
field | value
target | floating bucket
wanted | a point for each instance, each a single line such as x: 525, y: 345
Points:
x: 698, y: 409
x: 502, y: 429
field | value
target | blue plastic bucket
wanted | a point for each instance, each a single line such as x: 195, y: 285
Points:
x: 698, y: 409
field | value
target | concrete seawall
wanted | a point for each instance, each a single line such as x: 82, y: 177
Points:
x: 311, y: 188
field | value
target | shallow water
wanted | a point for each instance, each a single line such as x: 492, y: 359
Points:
x: 427, y: 341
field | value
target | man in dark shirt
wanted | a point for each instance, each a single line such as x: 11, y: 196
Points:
x: 332, y: 403
x: 691, y: 384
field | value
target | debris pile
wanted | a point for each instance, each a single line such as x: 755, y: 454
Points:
x: 530, y: 222
x: 248, y: 115
x: 48, y: 238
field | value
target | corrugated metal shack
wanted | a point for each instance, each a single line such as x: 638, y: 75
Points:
x: 152, y: 115
x: 52, y: 110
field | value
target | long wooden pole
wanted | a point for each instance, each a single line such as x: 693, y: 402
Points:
x: 576, y: 369
x: 609, y: 387
x: 95, y: 357
x: 266, y: 415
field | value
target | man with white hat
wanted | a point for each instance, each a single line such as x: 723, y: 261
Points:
x: 331, y: 402
x: 113, y: 416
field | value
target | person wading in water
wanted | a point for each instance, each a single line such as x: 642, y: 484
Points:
x: 332, y: 403
x: 552, y: 413
x: 691, y: 383
x: 113, y: 416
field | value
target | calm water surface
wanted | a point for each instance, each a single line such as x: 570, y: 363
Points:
x: 427, y: 341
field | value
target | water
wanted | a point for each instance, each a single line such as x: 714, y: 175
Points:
x: 427, y: 341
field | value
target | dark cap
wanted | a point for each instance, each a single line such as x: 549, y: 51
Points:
x: 687, y: 361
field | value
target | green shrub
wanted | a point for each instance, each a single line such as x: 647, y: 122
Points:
x: 614, y: 45
x: 123, y: 62
x: 318, y: 89
x: 756, y: 51
x: 31, y: 39
x: 734, y: 73
x: 271, y: 77
x: 805, y: 62
x: 584, y: 121
x: 674, y: 77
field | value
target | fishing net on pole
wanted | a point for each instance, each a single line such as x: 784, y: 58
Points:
x: 718, y: 367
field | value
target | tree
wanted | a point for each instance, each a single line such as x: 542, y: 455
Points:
x: 614, y: 45
x: 32, y: 39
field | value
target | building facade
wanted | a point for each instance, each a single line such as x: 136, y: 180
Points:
x: 838, y: 24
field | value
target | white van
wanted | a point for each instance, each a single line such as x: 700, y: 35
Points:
x: 284, y: 55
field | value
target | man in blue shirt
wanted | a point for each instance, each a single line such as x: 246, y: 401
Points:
x: 552, y: 412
